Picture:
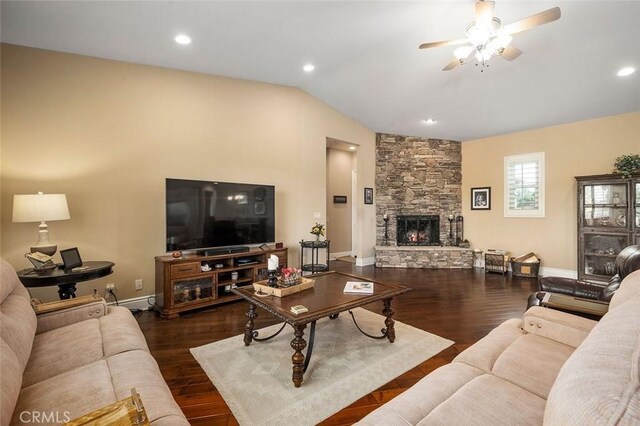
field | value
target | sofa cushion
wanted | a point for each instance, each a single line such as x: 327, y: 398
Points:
x: 532, y: 362
x: 17, y: 318
x: 120, y: 332
x: 415, y: 403
x: 560, y: 326
x: 488, y: 400
x: 68, y: 395
x: 63, y: 349
x: 138, y: 369
x: 87, y: 388
x: 17, y: 329
x: 626, y: 292
x: 600, y: 382
x: 11, y: 374
x: 484, y: 353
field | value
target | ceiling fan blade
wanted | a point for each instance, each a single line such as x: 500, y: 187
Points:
x: 533, y: 21
x: 442, y: 43
x: 451, y: 65
x: 510, y: 53
x: 484, y: 12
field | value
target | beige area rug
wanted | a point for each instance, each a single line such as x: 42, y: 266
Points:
x: 349, y: 259
x: 255, y: 381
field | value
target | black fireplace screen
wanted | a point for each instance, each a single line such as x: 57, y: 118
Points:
x: 418, y: 230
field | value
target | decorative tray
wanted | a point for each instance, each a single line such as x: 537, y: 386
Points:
x: 262, y: 287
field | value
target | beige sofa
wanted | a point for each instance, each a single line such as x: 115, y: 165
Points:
x: 62, y: 365
x: 548, y: 368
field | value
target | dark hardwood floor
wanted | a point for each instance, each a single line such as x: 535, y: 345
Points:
x: 461, y: 305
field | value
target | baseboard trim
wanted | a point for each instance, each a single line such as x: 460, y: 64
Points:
x: 141, y: 302
x: 334, y: 256
x: 555, y: 272
x: 365, y: 261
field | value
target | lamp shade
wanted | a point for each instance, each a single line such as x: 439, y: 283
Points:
x: 40, y: 207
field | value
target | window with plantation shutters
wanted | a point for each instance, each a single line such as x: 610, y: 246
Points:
x: 524, y: 185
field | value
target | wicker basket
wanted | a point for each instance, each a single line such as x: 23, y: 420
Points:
x: 263, y: 287
x: 525, y: 269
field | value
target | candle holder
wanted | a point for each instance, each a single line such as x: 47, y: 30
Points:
x: 273, y: 278
x: 451, y: 219
x: 386, y: 229
x: 459, y: 230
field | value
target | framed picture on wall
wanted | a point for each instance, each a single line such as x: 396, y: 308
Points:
x: 368, y: 195
x: 481, y: 198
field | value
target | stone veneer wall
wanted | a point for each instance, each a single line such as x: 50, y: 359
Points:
x: 424, y: 257
x: 416, y: 176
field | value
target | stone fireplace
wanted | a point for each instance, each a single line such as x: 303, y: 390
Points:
x: 418, y: 185
x: 418, y: 230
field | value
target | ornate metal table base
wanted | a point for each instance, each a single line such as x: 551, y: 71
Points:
x: 389, y: 332
x: 251, y: 334
x: 298, y: 344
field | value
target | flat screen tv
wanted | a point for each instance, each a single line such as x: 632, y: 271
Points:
x: 203, y: 214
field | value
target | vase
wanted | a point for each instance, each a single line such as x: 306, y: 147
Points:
x: 317, y: 238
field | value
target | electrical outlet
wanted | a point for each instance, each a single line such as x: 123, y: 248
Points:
x: 110, y: 286
x: 138, y: 284
x: 317, y: 215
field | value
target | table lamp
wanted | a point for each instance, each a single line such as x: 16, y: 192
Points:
x: 40, y: 208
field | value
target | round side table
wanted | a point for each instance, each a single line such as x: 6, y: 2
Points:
x: 65, y: 279
x: 315, y: 247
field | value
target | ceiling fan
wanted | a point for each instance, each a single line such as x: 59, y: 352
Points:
x: 487, y: 37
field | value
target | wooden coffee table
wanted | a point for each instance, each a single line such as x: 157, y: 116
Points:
x: 325, y: 299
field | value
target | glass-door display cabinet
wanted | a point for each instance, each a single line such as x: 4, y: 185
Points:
x: 608, y: 221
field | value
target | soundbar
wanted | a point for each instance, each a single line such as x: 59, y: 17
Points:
x: 223, y: 250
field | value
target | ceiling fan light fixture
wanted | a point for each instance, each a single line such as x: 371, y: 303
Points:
x: 483, y: 55
x: 501, y: 41
x: 463, y: 52
x: 488, y: 37
x: 479, y: 35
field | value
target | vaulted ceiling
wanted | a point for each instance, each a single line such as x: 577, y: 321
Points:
x: 366, y: 57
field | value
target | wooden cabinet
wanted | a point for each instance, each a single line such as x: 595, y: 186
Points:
x: 193, y: 281
x: 608, y: 221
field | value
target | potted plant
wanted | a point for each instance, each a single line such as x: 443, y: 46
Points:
x: 318, y: 230
x: 627, y: 164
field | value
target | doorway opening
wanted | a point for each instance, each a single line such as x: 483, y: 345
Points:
x: 341, y: 194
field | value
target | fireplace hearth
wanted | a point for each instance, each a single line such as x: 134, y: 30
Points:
x: 421, y: 230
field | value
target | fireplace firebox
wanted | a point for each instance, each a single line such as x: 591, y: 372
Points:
x: 418, y: 230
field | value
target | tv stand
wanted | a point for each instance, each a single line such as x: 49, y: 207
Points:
x: 200, y: 280
x: 223, y: 250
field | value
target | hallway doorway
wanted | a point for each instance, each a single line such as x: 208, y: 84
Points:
x: 341, y: 179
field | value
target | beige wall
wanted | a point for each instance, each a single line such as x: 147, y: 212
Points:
x: 108, y: 133
x: 583, y: 148
x: 339, y: 166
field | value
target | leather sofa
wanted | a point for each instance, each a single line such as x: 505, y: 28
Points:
x: 550, y: 367
x: 58, y: 366
x: 627, y: 261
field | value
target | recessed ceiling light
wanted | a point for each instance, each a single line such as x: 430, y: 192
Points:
x: 430, y: 121
x: 308, y: 68
x: 626, y: 71
x: 352, y: 148
x: 182, y: 39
